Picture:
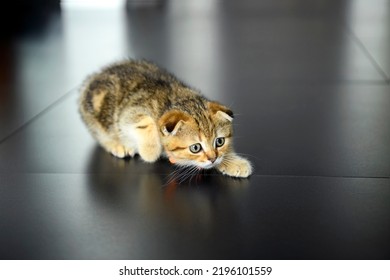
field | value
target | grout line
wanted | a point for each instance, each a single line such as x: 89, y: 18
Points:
x: 37, y: 116
x: 368, y: 54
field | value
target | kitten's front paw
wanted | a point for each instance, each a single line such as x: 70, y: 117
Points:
x: 236, y: 167
x: 150, y: 153
x: 119, y: 150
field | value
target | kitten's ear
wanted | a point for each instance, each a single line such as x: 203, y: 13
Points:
x: 171, y: 122
x: 221, y: 111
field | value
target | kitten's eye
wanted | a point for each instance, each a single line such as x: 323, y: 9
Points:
x: 219, y: 142
x: 196, y: 148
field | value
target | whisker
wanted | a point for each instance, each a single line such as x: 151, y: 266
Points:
x: 174, y: 175
x: 189, y: 174
x: 248, y: 155
x: 194, y: 173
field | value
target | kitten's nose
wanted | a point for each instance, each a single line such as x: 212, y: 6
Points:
x: 212, y: 159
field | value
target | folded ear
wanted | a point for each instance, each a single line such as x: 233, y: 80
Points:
x: 171, y: 122
x: 221, y: 111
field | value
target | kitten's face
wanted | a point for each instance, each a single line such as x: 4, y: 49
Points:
x: 202, y: 143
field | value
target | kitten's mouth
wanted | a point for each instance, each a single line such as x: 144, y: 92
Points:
x: 211, y: 164
x: 199, y: 166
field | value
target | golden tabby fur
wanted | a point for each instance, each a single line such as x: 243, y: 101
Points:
x: 134, y: 107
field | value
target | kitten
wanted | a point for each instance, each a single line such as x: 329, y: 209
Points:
x: 134, y: 107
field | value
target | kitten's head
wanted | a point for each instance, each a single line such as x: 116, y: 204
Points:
x: 198, y: 139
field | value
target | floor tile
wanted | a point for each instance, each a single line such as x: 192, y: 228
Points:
x: 134, y: 216
x: 314, y: 130
x: 370, y: 23
x: 217, y: 43
x: 42, y: 66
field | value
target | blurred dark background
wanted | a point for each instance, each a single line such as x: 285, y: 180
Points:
x: 19, y: 16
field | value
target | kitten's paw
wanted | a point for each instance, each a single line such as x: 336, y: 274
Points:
x: 119, y: 150
x: 236, y: 167
x: 150, y: 153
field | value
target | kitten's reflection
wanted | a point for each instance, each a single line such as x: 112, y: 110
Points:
x: 156, y: 190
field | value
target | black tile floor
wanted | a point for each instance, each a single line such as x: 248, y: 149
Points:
x: 309, y: 82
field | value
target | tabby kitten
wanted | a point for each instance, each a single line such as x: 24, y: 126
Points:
x: 134, y: 107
